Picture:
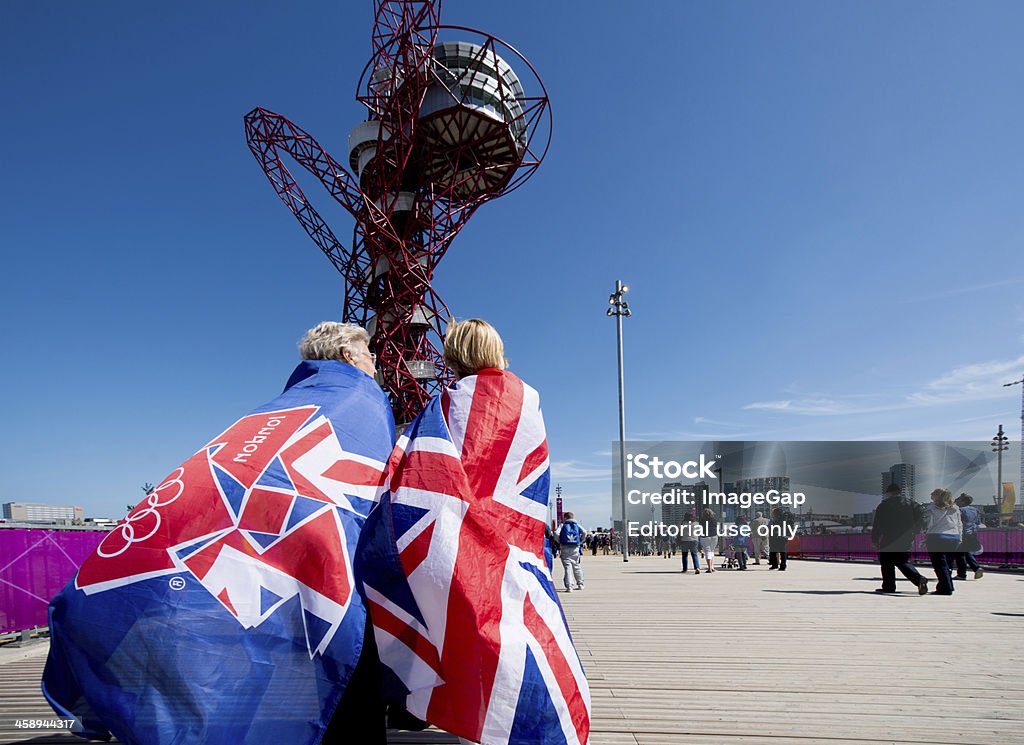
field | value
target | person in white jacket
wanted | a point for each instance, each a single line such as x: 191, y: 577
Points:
x: 943, y: 530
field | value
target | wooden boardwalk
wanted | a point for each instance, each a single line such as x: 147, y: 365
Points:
x: 812, y: 655
x: 757, y: 657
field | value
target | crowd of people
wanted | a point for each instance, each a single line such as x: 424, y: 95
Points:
x: 700, y: 543
x: 951, y: 537
x: 950, y: 527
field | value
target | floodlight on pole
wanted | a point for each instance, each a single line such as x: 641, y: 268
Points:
x: 998, y: 446
x: 1020, y: 382
x: 620, y: 309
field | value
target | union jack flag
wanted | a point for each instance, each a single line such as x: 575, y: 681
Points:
x: 464, y: 609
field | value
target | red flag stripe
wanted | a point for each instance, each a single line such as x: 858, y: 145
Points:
x: 491, y: 428
x: 405, y: 633
x: 437, y: 472
x: 349, y: 471
x: 414, y: 554
x: 534, y: 460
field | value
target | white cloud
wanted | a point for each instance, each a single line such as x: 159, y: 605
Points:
x: 977, y: 381
x: 820, y: 406
x: 973, y: 382
x: 954, y: 291
x: 568, y: 470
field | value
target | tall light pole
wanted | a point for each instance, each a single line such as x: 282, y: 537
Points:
x: 1020, y: 382
x: 998, y: 446
x: 717, y: 470
x: 620, y: 309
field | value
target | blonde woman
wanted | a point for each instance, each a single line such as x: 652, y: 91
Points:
x: 709, y: 540
x: 943, y: 529
x: 472, y: 472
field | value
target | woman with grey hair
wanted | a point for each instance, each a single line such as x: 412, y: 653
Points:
x: 281, y: 471
x: 346, y: 342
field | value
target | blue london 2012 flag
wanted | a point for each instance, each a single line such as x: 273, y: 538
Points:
x: 223, y: 608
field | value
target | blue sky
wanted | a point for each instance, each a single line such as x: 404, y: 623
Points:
x: 817, y: 206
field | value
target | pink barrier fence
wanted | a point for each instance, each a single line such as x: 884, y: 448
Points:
x: 1002, y: 547
x: 34, y: 566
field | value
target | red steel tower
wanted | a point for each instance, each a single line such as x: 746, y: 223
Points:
x: 449, y: 126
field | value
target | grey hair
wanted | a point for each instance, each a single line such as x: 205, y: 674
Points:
x: 328, y: 340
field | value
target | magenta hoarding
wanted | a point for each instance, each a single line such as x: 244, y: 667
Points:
x: 34, y: 566
x: 1002, y: 547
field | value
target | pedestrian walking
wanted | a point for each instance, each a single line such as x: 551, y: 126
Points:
x: 759, y: 535
x: 570, y: 537
x: 688, y: 539
x: 709, y: 540
x: 943, y: 532
x: 897, y: 522
x: 777, y: 540
x: 970, y: 518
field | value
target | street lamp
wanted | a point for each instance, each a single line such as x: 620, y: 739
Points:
x: 620, y: 308
x: 998, y: 446
x: 1021, y: 384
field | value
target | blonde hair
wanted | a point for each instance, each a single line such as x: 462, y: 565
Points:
x: 945, y: 498
x: 472, y: 345
x: 328, y: 340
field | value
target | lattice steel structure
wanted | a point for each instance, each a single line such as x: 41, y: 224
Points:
x: 449, y: 126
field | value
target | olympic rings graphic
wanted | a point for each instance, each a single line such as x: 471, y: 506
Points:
x: 127, y: 529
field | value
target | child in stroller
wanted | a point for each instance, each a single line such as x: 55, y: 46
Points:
x: 736, y: 553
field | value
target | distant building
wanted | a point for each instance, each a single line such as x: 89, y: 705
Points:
x: 901, y: 474
x: 759, y: 485
x: 863, y: 518
x: 678, y: 514
x: 27, y: 512
x: 675, y: 514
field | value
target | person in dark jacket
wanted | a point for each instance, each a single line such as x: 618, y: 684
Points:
x: 970, y: 517
x: 777, y: 539
x: 897, y: 523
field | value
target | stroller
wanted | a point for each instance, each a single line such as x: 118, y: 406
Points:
x: 735, y: 555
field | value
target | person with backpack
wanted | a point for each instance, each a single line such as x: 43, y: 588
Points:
x: 970, y: 519
x: 570, y: 537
